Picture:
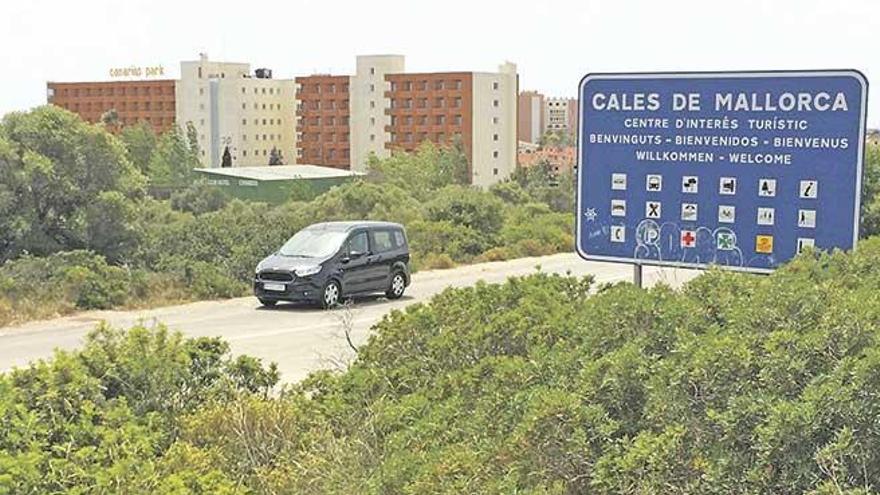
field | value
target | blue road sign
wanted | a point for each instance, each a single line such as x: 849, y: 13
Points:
x: 740, y: 170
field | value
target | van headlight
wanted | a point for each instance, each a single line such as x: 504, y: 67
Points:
x: 307, y: 271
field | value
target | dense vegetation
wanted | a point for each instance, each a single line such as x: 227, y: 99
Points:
x: 736, y: 384
x: 93, y: 220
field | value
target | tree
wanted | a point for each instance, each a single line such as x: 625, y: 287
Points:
x: 426, y: 170
x: 110, y: 118
x: 199, y: 198
x: 53, y: 168
x: 172, y: 164
x: 140, y: 143
x: 275, y: 157
x: 870, y: 209
x: 227, y: 158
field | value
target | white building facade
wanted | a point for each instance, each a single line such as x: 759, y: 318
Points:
x: 250, y: 114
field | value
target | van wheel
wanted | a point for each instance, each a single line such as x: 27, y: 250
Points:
x: 398, y: 285
x: 268, y: 303
x: 330, y: 295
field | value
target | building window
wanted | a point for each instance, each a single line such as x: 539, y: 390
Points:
x: 494, y: 85
x: 423, y: 120
x: 458, y: 84
x: 201, y: 122
x: 201, y: 106
x: 495, y: 137
x: 458, y: 120
x: 264, y: 121
x: 441, y: 119
x: 243, y: 90
x: 372, y: 120
x: 438, y: 85
x: 457, y: 102
x: 438, y: 102
x: 244, y: 137
x: 372, y: 71
x: 372, y: 88
x: 495, y: 103
x: 407, y: 86
x: 494, y: 154
x: 409, y: 120
x: 372, y: 137
x: 494, y: 171
x: 494, y: 120
x: 264, y: 107
x: 243, y: 152
x: 244, y: 106
x: 372, y: 104
x: 201, y: 91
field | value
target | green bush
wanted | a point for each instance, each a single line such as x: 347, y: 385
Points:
x: 737, y: 384
x: 102, y: 419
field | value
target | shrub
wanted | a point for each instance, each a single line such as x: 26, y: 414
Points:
x: 433, y: 261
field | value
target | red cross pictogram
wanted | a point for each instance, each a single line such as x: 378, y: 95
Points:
x: 688, y: 239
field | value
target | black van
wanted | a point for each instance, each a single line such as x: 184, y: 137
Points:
x: 327, y: 262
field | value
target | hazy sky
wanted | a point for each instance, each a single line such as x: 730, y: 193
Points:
x: 553, y: 43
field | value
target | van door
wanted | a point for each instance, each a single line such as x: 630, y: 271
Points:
x: 382, y: 245
x: 356, y: 263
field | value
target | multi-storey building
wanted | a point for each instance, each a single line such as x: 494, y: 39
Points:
x: 530, y: 116
x: 369, y: 102
x: 389, y: 109
x: 148, y: 101
x: 436, y: 107
x: 322, y: 116
x: 560, y: 115
x: 250, y: 115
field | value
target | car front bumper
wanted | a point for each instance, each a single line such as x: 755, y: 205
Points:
x: 300, y: 290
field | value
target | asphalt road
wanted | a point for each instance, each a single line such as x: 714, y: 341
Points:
x: 299, y: 338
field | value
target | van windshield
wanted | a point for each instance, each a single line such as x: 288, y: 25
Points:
x: 313, y: 243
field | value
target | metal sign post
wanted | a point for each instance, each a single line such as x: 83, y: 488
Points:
x: 741, y: 170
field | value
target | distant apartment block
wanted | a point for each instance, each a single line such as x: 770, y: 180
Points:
x: 560, y: 115
x: 530, y: 116
x: 322, y: 116
x: 150, y: 101
x: 387, y: 109
x: 538, y: 115
x: 250, y: 114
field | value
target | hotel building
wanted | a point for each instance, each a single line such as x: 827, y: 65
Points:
x: 250, y: 114
x: 389, y: 109
x: 149, y: 101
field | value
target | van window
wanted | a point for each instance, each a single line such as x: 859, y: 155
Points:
x: 382, y: 241
x: 358, y: 243
x: 399, y: 239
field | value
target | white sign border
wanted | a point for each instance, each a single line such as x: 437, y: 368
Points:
x: 860, y: 158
